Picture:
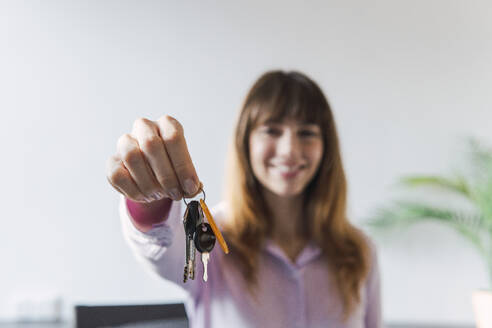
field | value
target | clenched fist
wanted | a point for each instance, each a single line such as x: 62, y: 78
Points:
x: 153, y: 162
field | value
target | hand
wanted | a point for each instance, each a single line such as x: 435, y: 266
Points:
x: 153, y: 162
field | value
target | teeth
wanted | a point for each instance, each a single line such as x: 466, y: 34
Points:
x: 287, y: 169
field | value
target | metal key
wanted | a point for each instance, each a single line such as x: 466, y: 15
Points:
x: 190, y: 219
x: 204, y: 242
x: 191, y: 262
x: 187, y: 245
x: 205, y: 259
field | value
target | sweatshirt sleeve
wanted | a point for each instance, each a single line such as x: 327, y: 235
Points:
x: 373, y: 317
x: 162, y: 249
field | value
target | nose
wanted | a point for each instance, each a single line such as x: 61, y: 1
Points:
x: 288, y: 146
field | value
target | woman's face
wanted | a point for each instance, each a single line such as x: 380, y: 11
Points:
x: 285, y: 156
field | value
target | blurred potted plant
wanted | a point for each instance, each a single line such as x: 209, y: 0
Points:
x: 474, y: 223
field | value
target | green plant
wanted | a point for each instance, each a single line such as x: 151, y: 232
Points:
x: 474, y: 186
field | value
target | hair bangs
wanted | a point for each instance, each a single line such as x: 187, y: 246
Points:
x: 287, y: 97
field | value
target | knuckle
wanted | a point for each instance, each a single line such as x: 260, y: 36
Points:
x: 172, y: 138
x: 126, y: 143
x: 123, y: 139
x: 168, y: 119
x: 140, y: 122
x: 172, y: 128
x: 172, y: 135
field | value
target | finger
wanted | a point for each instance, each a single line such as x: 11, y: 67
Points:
x: 129, y: 152
x: 172, y: 134
x: 146, y: 133
x: 119, y: 177
x: 199, y: 190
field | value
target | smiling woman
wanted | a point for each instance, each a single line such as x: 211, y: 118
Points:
x: 299, y: 138
x: 295, y: 260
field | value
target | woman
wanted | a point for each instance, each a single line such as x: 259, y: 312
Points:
x: 295, y: 260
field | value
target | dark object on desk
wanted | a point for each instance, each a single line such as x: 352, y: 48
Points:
x: 131, y: 316
x: 178, y: 323
x: 409, y: 325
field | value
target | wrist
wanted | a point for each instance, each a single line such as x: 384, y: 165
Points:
x: 145, y: 215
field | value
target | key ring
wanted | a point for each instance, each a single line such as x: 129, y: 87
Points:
x: 210, y: 219
x: 200, y: 189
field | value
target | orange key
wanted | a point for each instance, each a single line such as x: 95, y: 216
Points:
x: 216, y: 230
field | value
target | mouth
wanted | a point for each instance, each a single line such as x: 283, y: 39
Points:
x: 289, y: 172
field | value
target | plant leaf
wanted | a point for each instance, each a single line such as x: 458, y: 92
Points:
x: 481, y: 161
x: 402, y: 213
x: 458, y: 184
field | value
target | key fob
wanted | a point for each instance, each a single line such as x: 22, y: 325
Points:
x: 204, y: 238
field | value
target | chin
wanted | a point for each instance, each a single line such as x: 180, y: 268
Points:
x: 287, y: 191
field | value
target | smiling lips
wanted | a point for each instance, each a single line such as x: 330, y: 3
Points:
x: 289, y: 172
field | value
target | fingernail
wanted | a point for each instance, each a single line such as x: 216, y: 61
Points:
x: 148, y: 200
x: 174, y: 193
x: 190, y: 186
x: 156, y: 196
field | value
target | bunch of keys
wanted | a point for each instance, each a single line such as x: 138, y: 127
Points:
x: 200, y: 236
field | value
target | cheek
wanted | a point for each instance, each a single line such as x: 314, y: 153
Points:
x: 260, y: 150
x: 255, y: 157
x: 316, y: 153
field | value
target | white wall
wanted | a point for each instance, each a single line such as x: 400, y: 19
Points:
x: 406, y: 79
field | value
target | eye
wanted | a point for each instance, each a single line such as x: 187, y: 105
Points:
x: 307, y: 133
x: 271, y: 131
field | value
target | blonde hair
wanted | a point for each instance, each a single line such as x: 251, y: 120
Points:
x: 277, y: 95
